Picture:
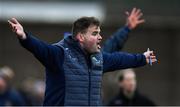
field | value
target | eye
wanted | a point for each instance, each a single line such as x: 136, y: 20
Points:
x: 94, y: 33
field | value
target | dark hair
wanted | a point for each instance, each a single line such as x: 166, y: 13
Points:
x: 122, y: 74
x: 81, y: 24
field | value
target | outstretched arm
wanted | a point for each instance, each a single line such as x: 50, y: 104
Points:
x: 42, y: 51
x: 118, y: 39
x: 120, y: 60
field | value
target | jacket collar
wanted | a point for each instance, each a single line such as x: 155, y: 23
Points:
x: 74, y: 44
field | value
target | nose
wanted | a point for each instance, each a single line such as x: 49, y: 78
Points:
x: 100, y: 37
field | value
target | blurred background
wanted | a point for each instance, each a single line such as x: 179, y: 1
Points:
x: 50, y: 19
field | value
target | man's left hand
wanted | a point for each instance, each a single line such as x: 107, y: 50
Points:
x: 134, y: 18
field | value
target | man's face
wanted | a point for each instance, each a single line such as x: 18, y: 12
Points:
x: 92, y: 39
x: 128, y: 84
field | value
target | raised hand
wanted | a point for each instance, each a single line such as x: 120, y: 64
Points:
x: 17, y: 28
x: 134, y: 18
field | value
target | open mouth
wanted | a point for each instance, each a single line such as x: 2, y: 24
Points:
x: 98, y: 46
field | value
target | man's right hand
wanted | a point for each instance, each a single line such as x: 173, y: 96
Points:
x: 17, y: 28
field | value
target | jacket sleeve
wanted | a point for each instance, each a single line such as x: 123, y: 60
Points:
x: 122, y: 60
x: 45, y: 53
x: 117, y: 40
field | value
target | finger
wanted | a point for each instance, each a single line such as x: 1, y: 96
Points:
x: 141, y: 21
x: 10, y: 23
x: 153, y: 54
x: 127, y: 13
x: 12, y: 26
x: 139, y: 15
x: 133, y: 11
x: 138, y: 11
x: 14, y: 21
x: 153, y: 57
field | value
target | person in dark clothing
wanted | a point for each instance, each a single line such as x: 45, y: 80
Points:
x: 8, y: 95
x: 32, y: 91
x: 129, y: 94
x: 74, y: 66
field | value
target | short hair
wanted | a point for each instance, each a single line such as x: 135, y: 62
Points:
x: 122, y: 73
x: 82, y: 24
x: 6, y: 73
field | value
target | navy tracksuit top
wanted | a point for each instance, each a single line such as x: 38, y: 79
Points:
x: 72, y: 77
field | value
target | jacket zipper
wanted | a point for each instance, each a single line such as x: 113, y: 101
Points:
x: 89, y: 86
x: 89, y: 74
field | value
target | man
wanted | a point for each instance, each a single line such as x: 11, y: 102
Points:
x: 74, y: 66
x: 129, y: 95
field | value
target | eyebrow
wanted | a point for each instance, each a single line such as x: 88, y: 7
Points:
x: 97, y: 31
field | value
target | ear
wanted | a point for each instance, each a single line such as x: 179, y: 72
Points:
x: 80, y: 37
